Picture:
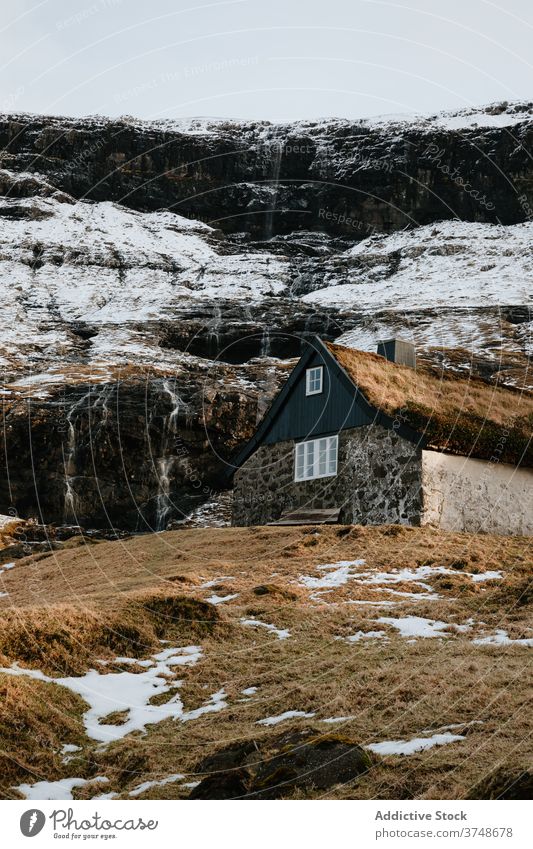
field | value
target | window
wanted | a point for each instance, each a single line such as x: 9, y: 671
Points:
x: 316, y: 458
x: 313, y: 380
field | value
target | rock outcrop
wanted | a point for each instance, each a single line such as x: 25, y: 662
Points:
x: 276, y: 767
x: 339, y: 176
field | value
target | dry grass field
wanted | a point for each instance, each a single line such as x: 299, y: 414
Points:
x: 415, y: 639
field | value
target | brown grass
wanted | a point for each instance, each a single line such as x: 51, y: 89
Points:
x: 464, y: 416
x: 123, y: 597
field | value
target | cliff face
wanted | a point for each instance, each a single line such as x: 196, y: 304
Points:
x: 341, y: 177
x: 140, y: 345
x: 131, y: 448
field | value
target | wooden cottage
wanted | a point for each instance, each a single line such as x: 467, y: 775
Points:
x: 356, y: 437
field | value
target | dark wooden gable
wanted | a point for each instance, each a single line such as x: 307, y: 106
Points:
x: 337, y: 407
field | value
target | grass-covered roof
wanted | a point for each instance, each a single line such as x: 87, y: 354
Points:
x: 458, y: 415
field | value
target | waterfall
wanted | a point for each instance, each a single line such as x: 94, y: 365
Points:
x: 213, y: 329
x: 165, y: 463
x: 69, y: 461
x: 265, y: 342
x: 275, y: 147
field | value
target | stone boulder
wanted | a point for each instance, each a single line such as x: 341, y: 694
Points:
x: 274, y: 768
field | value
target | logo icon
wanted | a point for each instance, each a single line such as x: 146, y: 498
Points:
x: 32, y: 822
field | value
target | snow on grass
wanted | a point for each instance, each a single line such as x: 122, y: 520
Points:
x: 337, y: 574
x: 131, y: 692
x: 417, y: 744
x: 214, y: 581
x: 56, y: 790
x: 215, y: 703
x: 365, y: 635
x: 486, y: 576
x: 333, y: 720
x: 289, y: 714
x: 281, y: 633
x: 220, y: 599
x: 417, y: 626
x: 67, y: 750
x: 146, y: 785
x: 452, y: 726
x: 249, y: 691
x: 178, y: 657
x: 417, y: 576
x: 372, y: 603
x: 501, y: 638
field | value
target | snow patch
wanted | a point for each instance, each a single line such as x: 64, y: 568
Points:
x: 56, y: 790
x: 332, y: 720
x: 339, y: 573
x: 131, y: 692
x: 289, y: 714
x: 220, y: 599
x: 365, y: 635
x: 214, y: 581
x: 281, y: 633
x: 146, y: 785
x: 501, y: 638
x: 417, y: 626
x: 417, y: 744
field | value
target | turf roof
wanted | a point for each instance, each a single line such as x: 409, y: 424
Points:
x: 463, y: 416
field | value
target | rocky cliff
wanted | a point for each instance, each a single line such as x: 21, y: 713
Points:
x: 332, y: 176
x: 157, y: 279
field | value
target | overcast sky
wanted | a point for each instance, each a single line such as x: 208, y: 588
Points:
x: 273, y: 59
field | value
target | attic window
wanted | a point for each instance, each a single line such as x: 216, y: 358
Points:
x: 316, y: 458
x: 313, y: 380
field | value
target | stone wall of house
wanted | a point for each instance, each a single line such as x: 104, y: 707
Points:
x: 378, y: 481
x: 460, y: 494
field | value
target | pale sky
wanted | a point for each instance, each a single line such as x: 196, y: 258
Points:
x: 270, y: 59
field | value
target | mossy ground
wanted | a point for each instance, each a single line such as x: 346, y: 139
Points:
x: 66, y: 611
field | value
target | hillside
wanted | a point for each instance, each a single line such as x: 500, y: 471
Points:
x: 157, y: 279
x: 268, y: 662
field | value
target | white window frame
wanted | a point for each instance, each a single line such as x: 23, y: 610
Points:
x: 316, y: 458
x: 310, y: 379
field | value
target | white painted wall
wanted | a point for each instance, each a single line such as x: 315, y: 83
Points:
x: 459, y: 494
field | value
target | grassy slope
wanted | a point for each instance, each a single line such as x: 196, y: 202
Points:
x: 65, y: 611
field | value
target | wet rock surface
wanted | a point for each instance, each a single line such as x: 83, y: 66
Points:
x: 130, y: 454
x: 272, y: 769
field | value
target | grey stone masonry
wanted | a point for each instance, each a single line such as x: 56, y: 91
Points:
x: 378, y: 481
